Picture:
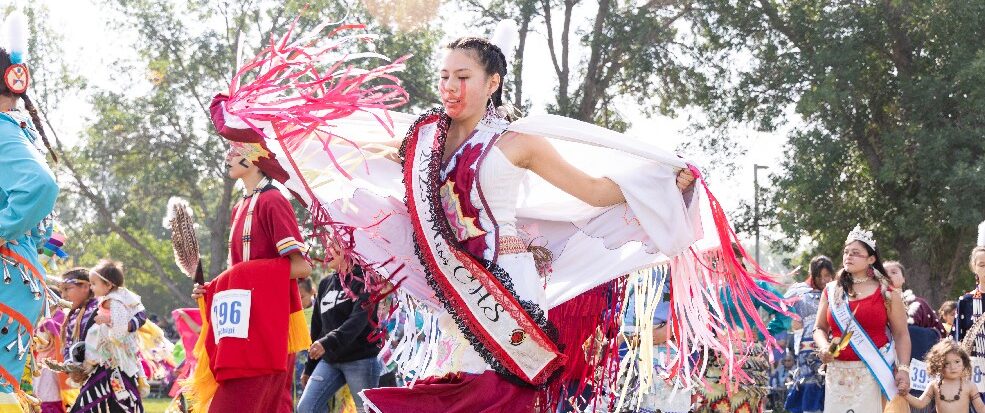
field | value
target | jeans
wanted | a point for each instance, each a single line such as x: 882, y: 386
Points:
x: 328, y: 378
x: 299, y: 362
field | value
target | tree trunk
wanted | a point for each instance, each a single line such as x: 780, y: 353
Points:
x: 591, y: 90
x: 107, y: 217
x: 219, y: 230
x: 919, y: 274
x: 935, y: 281
x: 527, y: 9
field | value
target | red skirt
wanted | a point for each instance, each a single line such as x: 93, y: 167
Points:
x: 460, y: 393
x: 270, y: 393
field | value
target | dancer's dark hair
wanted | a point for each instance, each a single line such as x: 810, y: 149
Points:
x: 28, y: 103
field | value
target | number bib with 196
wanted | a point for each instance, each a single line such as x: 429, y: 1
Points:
x: 231, y: 314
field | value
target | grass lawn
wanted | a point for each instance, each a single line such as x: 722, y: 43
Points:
x: 155, y: 405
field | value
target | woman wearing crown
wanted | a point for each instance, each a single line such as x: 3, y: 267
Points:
x: 861, y: 332
x: 452, y: 221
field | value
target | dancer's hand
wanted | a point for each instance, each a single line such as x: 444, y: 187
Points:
x: 903, y: 382
x: 198, y: 291
x: 101, y: 319
x: 316, y: 351
x: 825, y: 355
x: 685, y: 180
x: 304, y: 380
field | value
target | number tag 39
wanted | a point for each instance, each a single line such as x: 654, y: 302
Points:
x: 231, y: 314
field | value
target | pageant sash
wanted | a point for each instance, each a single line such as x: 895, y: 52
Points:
x: 863, y: 345
x: 508, y: 336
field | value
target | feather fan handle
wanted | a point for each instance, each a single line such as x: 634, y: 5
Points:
x: 183, y: 239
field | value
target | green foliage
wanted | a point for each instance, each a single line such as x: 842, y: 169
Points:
x: 150, y: 138
x: 890, y: 98
x: 140, y: 276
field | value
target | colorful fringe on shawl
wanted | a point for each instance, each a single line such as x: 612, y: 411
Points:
x: 293, y: 102
x: 698, y: 316
x: 587, y: 335
x: 301, y: 91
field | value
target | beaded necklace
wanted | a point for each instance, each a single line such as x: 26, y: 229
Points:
x: 956, y: 396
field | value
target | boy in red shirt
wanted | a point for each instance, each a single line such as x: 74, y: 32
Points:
x: 253, y: 358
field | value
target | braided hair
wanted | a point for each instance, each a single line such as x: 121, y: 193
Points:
x: 492, y: 59
x: 28, y: 103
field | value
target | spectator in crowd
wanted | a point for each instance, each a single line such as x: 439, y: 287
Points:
x: 341, y: 353
x: 947, y: 313
x: 307, y: 291
x: 918, y: 310
x: 924, y: 325
x: 782, y: 374
x: 806, y: 393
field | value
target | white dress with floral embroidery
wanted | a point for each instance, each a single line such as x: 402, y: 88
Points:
x: 113, y: 345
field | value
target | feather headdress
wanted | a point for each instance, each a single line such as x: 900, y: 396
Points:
x: 16, y: 31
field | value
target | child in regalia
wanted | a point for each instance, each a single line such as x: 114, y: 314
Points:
x: 111, y: 350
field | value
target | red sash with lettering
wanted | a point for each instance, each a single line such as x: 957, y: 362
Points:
x: 510, y: 334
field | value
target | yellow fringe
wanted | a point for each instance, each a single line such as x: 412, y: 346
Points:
x: 298, y: 335
x: 69, y: 396
x: 10, y: 403
x: 201, y: 386
x: 11, y: 408
x: 344, y: 401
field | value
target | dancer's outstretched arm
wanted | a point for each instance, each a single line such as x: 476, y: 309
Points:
x: 538, y: 155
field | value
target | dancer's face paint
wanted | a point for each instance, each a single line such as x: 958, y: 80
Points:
x: 76, y: 291
x: 236, y: 165
x: 856, y: 258
x: 453, y: 95
x: 463, y: 85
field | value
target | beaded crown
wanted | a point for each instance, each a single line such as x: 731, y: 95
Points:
x: 858, y: 234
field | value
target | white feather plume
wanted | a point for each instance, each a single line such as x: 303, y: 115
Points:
x: 505, y: 36
x: 16, y: 36
x: 981, y: 234
x: 174, y: 204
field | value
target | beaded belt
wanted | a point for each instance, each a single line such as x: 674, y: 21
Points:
x: 512, y: 245
x: 515, y: 245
